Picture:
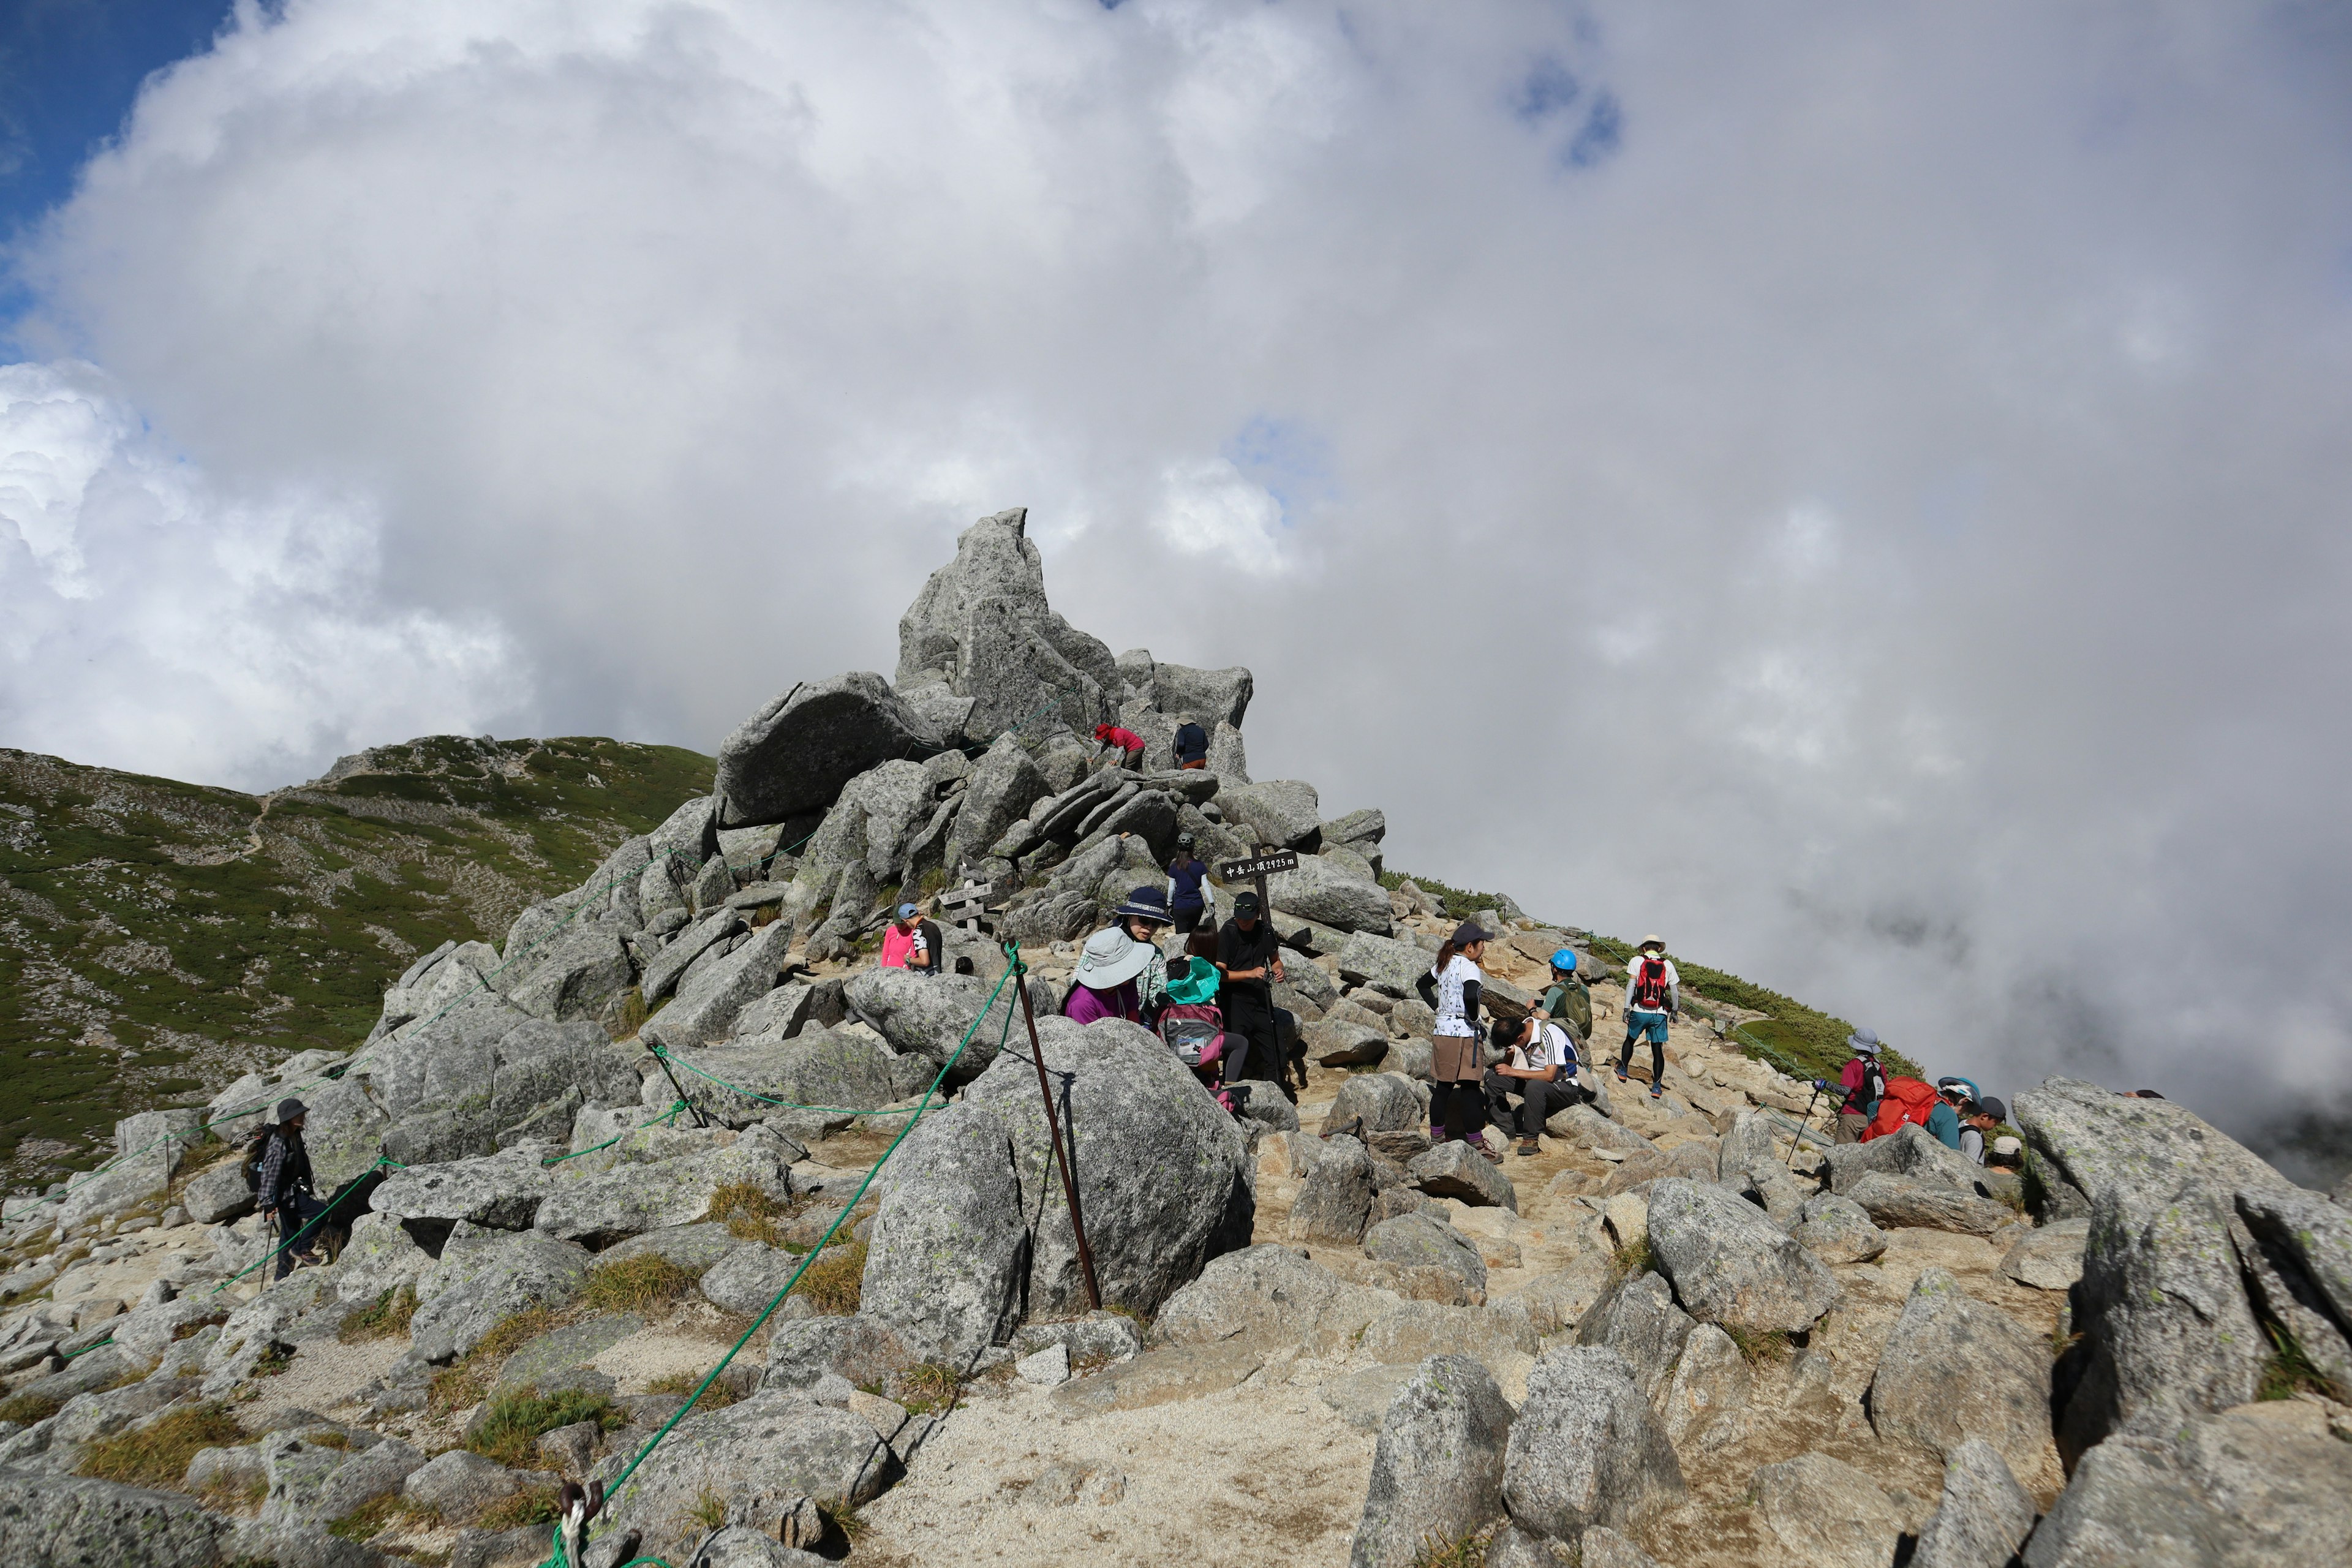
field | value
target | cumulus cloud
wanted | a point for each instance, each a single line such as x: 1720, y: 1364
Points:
x: 1861, y: 489
x: 149, y: 623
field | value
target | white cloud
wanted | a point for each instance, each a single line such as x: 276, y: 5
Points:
x: 151, y: 622
x: 678, y: 342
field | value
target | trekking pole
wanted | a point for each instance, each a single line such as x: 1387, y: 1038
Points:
x: 688, y: 1100
x: 1053, y: 1129
x: 1805, y: 1124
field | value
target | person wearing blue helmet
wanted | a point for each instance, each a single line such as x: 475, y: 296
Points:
x: 1568, y: 1002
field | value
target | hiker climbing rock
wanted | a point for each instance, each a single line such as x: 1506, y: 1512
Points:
x: 1249, y: 957
x: 1980, y: 1119
x: 1192, y: 746
x: 1188, y: 889
x: 1652, y: 995
x: 1121, y: 748
x: 1538, y: 1065
x: 282, y: 1186
x: 1863, y: 1082
x: 1451, y: 988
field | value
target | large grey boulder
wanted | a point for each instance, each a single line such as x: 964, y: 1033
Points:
x: 485, y: 1277
x: 1899, y: 1201
x: 2297, y: 1248
x: 499, y: 1192
x: 1228, y: 758
x: 1588, y: 1128
x: 578, y: 971
x: 875, y: 824
x: 343, y: 1132
x: 1437, y: 1470
x: 708, y: 1000
x: 1324, y: 893
x: 2166, y: 1330
x: 1206, y: 697
x: 218, y: 1194
x: 2002, y: 1398
x: 949, y: 1251
x: 931, y: 1016
x: 1701, y: 1400
x: 1982, y: 1516
x: 828, y: 1067
x: 1637, y: 1318
x: 1006, y: 784
x: 1285, y: 811
x: 761, y: 1457
x: 1456, y: 1170
x: 1839, y: 1230
x: 747, y: 1278
x: 662, y: 975
x: 1018, y: 671
x: 1586, y: 1449
x: 792, y: 757
x: 1909, y: 1151
x: 633, y: 1187
x: 1826, y: 1514
x: 69, y: 1521
x: 1340, y: 1042
x: 1731, y: 1265
x: 481, y: 1091
x: 1337, y: 1200
x: 1160, y: 1167
x: 1386, y: 965
x: 741, y: 1546
x: 2099, y: 1141
x: 1366, y: 828
x: 1425, y: 1241
x: 2250, y: 1489
x: 459, y: 1484
x: 1384, y: 1102
x: 2049, y: 1257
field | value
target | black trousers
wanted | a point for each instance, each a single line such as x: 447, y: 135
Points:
x: 1187, y: 917
x: 1253, y: 1020
x: 1658, y: 1059
x: 1539, y: 1101
x: 296, y: 1211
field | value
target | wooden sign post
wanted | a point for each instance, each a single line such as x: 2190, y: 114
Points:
x: 1256, y: 870
x: 964, y: 906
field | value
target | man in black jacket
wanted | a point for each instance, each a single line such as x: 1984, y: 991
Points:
x: 1249, y: 956
x: 284, y: 1187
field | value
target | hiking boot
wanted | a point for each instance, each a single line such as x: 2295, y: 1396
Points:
x: 1527, y: 1147
x: 1622, y: 1078
x: 1657, y: 1092
x: 1478, y: 1140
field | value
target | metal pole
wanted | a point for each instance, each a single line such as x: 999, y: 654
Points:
x: 1806, y: 1122
x: 1054, y: 1130
x: 699, y: 1119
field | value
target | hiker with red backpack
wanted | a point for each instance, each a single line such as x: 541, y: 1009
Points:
x: 1918, y: 1103
x: 279, y: 1168
x: 1862, y: 1083
x: 1652, y: 995
x: 1457, y: 1108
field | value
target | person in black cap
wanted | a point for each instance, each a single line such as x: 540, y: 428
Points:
x: 1249, y: 956
x: 1980, y: 1119
x: 1457, y: 1106
x: 284, y: 1190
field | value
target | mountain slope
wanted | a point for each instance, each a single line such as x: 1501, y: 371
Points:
x: 157, y: 938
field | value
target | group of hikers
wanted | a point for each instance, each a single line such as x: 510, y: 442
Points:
x: 1954, y: 1111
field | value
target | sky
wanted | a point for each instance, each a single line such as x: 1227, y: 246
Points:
x: 1858, y: 488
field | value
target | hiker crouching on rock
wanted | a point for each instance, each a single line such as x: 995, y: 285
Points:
x: 1456, y: 1103
x: 1864, y: 1082
x: 1249, y: 956
x: 1652, y: 995
x: 1192, y: 746
x: 1540, y: 1067
x: 282, y: 1187
x: 1127, y: 743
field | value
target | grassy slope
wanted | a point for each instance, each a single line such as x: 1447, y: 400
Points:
x: 1798, y: 1040
x: 157, y: 938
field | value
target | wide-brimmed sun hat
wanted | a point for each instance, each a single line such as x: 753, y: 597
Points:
x: 1147, y: 903
x: 1862, y: 1040
x: 1111, y: 958
x: 1655, y: 939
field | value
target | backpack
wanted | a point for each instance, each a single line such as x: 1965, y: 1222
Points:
x: 1190, y: 1029
x: 1906, y: 1100
x: 1191, y: 740
x: 256, y: 1147
x: 1873, y: 1088
x: 1650, y: 986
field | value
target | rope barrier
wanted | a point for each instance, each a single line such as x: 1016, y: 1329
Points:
x: 558, y: 1558
x: 87, y: 1349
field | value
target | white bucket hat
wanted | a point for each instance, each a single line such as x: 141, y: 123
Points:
x: 1111, y: 958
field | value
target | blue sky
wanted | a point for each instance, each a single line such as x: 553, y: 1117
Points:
x: 69, y: 70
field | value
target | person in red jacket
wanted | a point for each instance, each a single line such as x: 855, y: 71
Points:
x: 1127, y: 743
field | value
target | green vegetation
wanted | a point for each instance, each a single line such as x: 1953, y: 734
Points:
x: 1629, y: 1261
x: 2289, y: 1370
x: 158, y: 939
x: 157, y: 1454
x: 1459, y: 903
x: 638, y: 1284
x: 717, y: 1397
x: 466, y: 1379
x: 1759, y: 1347
x: 832, y: 1284
x: 1463, y: 1552
x: 928, y: 1386
x: 748, y: 1211
x: 710, y: 1510
x: 533, y: 1505
x: 511, y: 1424
x: 381, y: 1319
x: 376, y: 1515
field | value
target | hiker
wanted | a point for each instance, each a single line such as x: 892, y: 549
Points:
x: 2007, y: 1152
x: 1104, y: 986
x: 1540, y: 1067
x: 1188, y: 891
x: 1190, y: 1024
x: 1953, y: 1097
x: 1192, y: 746
x: 1143, y: 917
x: 1980, y: 1119
x: 1249, y: 956
x: 1127, y: 743
x: 281, y: 1189
x: 911, y: 943
x: 1568, y: 1002
x: 1449, y: 988
x: 1652, y: 995
x: 1863, y: 1083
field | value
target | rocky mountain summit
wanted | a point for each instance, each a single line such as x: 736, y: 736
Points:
x: 674, y: 1196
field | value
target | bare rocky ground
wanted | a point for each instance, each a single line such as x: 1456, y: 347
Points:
x: 1684, y: 1332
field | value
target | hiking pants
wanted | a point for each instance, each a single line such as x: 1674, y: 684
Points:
x: 1539, y: 1101
x: 1459, y: 1108
x: 1657, y: 1049
x: 1187, y: 917
x: 1850, y: 1124
x: 1249, y: 1020
x: 295, y: 1211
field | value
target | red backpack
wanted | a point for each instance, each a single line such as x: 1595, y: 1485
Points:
x: 1650, y: 985
x: 1906, y: 1099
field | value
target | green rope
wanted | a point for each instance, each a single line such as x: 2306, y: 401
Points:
x: 87, y: 1349
x: 783, y: 1104
x: 674, y: 1107
x: 556, y: 1560
x: 287, y: 1245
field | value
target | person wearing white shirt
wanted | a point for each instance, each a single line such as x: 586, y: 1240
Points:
x: 1652, y: 995
x: 1538, y: 1065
